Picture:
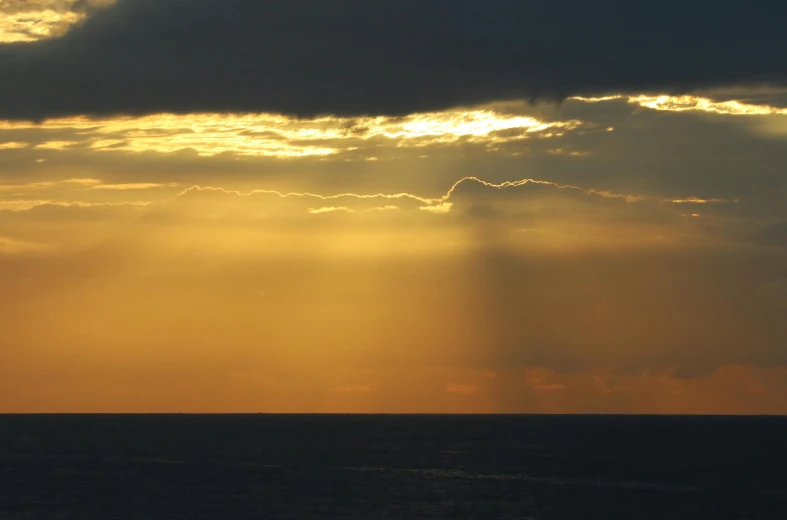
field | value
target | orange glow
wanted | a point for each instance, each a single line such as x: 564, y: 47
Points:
x: 488, y: 262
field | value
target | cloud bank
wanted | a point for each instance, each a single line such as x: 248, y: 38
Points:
x: 354, y: 57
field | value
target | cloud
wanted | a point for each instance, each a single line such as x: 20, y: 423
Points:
x: 32, y: 20
x: 272, y: 135
x: 12, y: 146
x: 774, y: 234
x: 10, y: 246
x: 461, y: 389
x: 26, y: 20
x: 464, y: 190
x: 689, y: 103
x: 83, y: 182
x: 133, y: 186
x: 47, y: 185
x: 443, y: 207
x: 701, y: 104
x: 728, y: 157
x: 39, y: 205
x: 69, y: 225
x: 526, y: 214
x: 691, y: 372
x: 27, y: 187
x: 696, y: 200
x: 330, y: 209
x: 56, y: 145
x: 540, y: 380
x: 354, y: 199
x: 384, y: 57
x: 20, y: 204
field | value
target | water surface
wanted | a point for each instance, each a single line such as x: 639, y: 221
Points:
x: 415, y: 467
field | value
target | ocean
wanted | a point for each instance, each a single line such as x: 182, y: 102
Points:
x: 227, y: 467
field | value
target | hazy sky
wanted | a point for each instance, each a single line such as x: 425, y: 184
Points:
x: 383, y: 206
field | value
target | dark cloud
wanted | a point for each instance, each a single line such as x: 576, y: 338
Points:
x: 773, y: 235
x: 691, y: 372
x: 358, y: 56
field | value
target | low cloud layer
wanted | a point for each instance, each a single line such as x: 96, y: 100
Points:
x: 385, y: 57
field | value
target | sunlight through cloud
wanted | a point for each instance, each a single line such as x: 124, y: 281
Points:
x: 270, y: 135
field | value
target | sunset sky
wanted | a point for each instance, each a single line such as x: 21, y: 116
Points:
x: 382, y: 206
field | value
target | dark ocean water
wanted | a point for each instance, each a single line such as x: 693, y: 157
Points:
x: 380, y: 467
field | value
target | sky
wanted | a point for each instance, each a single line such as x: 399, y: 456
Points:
x: 392, y: 207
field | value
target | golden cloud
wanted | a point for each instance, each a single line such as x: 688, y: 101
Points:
x: 689, y: 103
x: 133, y: 186
x: 270, y: 135
x: 32, y: 20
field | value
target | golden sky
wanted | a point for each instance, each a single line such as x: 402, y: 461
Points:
x: 624, y: 253
x: 221, y: 262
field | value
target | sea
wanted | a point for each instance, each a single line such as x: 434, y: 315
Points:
x: 226, y: 467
